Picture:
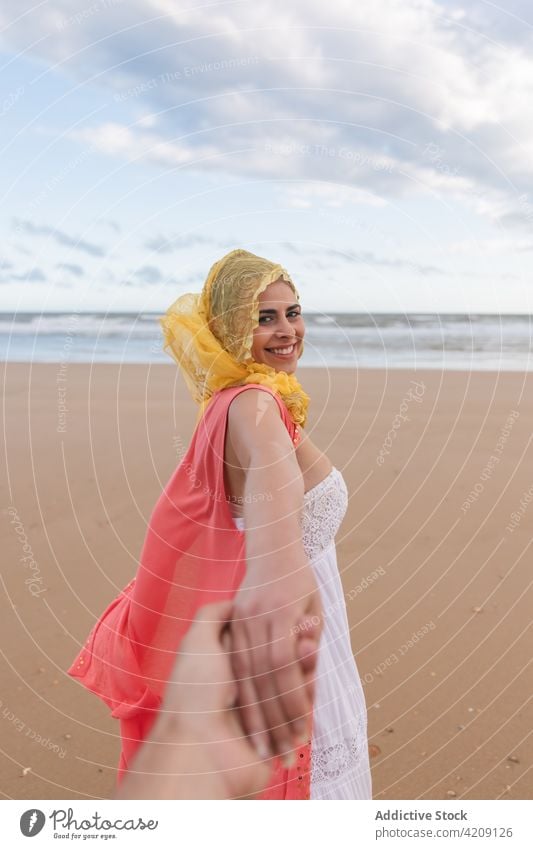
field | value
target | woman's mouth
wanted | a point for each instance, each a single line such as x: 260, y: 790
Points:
x: 283, y: 352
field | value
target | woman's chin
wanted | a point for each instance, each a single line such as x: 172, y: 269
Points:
x: 288, y: 369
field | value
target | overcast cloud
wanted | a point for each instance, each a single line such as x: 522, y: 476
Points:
x: 342, y: 104
x: 386, y: 96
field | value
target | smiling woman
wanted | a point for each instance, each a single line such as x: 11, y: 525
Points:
x: 238, y: 343
x: 211, y: 335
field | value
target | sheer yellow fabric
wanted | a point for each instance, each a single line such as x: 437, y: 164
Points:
x: 210, y: 334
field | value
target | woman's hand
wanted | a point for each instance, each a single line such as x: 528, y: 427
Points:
x: 276, y: 626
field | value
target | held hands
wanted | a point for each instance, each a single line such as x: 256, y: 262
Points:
x: 276, y: 626
x: 198, y: 747
x: 204, y: 691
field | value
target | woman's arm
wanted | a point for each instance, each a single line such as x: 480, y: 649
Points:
x: 278, y: 601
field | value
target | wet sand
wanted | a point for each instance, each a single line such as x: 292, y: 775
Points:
x: 435, y: 554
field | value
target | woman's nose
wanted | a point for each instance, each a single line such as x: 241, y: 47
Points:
x: 284, y: 328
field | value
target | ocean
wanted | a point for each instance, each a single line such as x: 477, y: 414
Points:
x: 334, y: 340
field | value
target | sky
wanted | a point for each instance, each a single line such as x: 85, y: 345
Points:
x: 381, y: 151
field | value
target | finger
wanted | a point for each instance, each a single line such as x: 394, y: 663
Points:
x: 233, y: 690
x: 215, y: 617
x: 311, y: 624
x: 249, y: 710
x: 225, y: 639
x: 307, y: 653
x: 308, y: 656
x: 289, y: 679
x: 218, y: 611
x: 274, y: 717
x: 309, y: 643
x: 207, y: 627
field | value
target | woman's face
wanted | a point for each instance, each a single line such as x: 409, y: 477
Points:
x: 280, y: 327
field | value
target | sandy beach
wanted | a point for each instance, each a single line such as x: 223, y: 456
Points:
x: 435, y: 556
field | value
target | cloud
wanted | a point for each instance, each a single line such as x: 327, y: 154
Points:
x: 58, y: 236
x: 71, y: 268
x: 170, y: 244
x: 347, y: 94
x: 361, y: 257
x: 34, y: 275
x: 110, y: 224
x: 148, y: 274
x: 305, y: 195
x: 482, y: 247
x: 511, y: 23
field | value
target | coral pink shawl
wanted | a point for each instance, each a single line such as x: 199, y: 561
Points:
x: 193, y: 555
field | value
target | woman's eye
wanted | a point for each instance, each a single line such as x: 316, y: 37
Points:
x: 293, y: 313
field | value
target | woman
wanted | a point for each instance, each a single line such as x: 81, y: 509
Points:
x: 250, y: 514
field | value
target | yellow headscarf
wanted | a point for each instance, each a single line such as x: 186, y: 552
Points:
x: 210, y: 335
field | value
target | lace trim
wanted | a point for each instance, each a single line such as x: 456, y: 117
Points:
x: 325, y: 506
x: 331, y: 762
x: 324, y: 509
x: 315, y: 490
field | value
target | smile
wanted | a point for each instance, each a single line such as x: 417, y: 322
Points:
x: 282, y: 352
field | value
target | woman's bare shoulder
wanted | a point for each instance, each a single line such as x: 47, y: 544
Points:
x: 253, y: 408
x: 254, y: 422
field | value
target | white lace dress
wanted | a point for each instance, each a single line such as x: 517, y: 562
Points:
x: 340, y: 767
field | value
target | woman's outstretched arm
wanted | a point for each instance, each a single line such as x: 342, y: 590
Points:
x: 278, y: 601
x: 197, y: 748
